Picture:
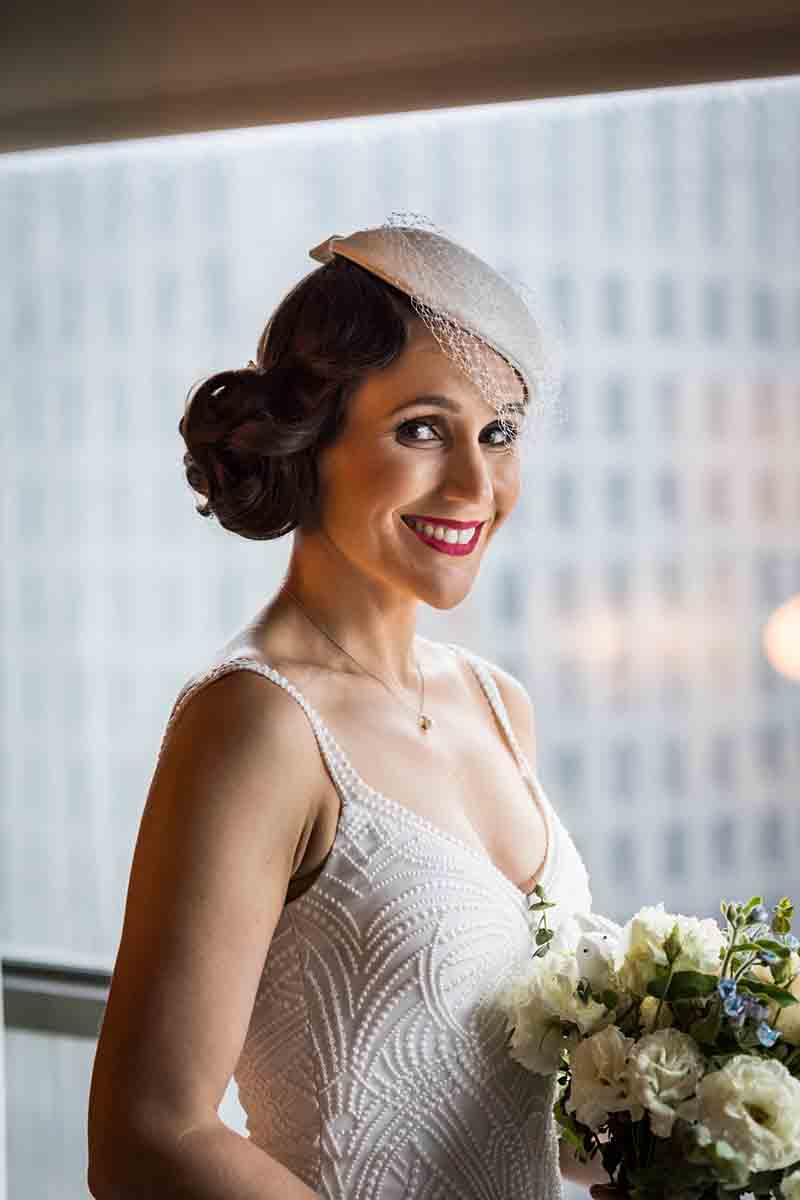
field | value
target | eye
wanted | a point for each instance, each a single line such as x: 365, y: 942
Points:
x: 509, y: 434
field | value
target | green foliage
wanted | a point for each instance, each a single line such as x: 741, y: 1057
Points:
x: 672, y: 944
x: 574, y: 1132
x: 767, y: 990
x: 705, y: 1030
x: 782, y: 916
x: 682, y: 985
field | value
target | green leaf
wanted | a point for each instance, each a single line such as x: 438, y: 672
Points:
x: 755, y: 987
x: 609, y: 998
x: 574, y: 1132
x: 684, y: 984
x: 543, y: 935
x: 776, y: 947
x: 672, y: 944
x: 706, y: 1029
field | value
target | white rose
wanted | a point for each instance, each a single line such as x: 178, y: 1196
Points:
x: 754, y: 1104
x: 790, y: 1186
x: 641, y: 946
x: 547, y: 1016
x: 663, y: 1070
x: 599, y: 1078
x: 533, y: 1011
x: 555, y: 984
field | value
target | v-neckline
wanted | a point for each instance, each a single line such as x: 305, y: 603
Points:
x: 480, y: 853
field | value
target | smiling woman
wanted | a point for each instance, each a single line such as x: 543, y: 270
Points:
x: 363, y: 901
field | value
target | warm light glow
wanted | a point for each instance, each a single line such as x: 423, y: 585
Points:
x: 782, y: 638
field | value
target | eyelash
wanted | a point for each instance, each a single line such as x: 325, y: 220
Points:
x: 509, y: 440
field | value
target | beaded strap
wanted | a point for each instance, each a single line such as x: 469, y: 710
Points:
x: 340, y: 769
x: 481, y: 668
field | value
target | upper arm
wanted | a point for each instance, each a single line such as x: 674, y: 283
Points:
x: 520, y: 710
x: 230, y: 805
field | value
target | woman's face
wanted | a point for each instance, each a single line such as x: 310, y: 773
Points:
x: 425, y: 461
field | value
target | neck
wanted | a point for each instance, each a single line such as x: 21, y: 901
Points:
x: 371, y: 621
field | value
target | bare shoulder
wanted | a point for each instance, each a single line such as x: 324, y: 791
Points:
x: 240, y: 704
x: 241, y: 738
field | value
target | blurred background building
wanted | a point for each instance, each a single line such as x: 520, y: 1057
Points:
x: 655, y: 535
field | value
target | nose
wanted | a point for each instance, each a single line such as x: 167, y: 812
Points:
x: 469, y: 478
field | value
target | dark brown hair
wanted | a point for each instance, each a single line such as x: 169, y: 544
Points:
x: 253, y: 435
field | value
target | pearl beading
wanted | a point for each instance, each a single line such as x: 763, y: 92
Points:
x: 374, y: 1066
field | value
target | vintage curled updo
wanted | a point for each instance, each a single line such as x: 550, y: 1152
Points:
x: 253, y: 434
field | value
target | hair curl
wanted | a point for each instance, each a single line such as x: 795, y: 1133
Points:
x: 252, y: 435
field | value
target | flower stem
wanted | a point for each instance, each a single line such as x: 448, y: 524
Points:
x: 744, y: 966
x: 663, y: 994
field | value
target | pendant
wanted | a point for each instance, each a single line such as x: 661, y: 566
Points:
x: 424, y: 722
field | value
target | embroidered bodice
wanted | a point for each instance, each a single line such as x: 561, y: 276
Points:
x: 374, y: 1066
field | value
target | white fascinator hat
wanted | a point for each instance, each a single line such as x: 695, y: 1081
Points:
x: 467, y: 305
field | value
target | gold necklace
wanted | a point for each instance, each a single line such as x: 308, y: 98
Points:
x: 423, y: 721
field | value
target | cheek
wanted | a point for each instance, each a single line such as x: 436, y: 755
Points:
x: 508, y: 484
x: 362, y: 482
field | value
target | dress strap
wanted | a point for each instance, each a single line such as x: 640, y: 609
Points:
x: 338, y: 766
x: 481, y: 668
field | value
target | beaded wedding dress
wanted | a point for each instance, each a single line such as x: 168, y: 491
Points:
x: 374, y: 1066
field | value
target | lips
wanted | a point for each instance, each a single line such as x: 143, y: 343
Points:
x: 452, y: 548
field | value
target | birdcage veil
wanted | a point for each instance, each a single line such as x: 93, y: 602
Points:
x: 468, y: 306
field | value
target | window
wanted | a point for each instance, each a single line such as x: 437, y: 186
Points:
x: 655, y: 532
x: 675, y: 858
x: 614, y: 306
x: 722, y: 842
x: 625, y: 768
x: 617, y: 406
x: 618, y: 498
x: 666, y: 315
x: 716, y: 303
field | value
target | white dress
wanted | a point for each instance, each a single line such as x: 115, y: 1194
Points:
x: 371, y: 1067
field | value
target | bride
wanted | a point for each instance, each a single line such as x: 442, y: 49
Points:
x: 332, y: 873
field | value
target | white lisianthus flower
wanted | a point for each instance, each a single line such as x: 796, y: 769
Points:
x: 641, y: 946
x: 599, y: 1078
x: 533, y: 1011
x: 540, y: 1003
x: 754, y: 1105
x: 663, y: 1071
x: 790, y: 1186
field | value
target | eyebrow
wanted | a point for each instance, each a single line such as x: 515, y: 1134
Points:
x: 440, y: 401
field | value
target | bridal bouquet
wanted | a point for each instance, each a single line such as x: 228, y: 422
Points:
x: 676, y: 1044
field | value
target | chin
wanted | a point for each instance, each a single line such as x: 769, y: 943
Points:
x: 445, y: 598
